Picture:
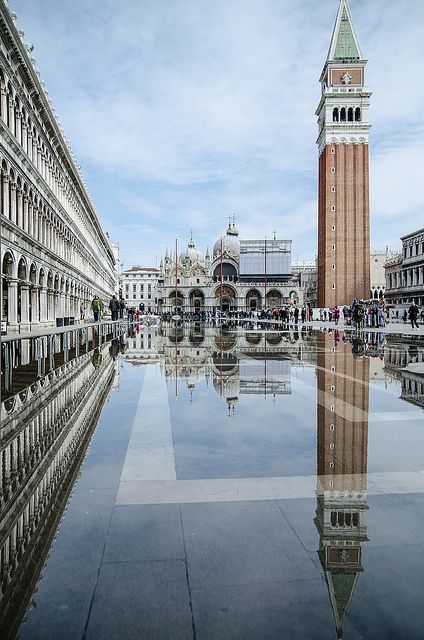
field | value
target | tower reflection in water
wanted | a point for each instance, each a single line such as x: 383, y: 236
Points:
x: 342, y: 452
x: 46, y: 431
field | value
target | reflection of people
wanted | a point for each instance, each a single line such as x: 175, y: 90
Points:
x: 114, y: 307
x: 96, y: 358
x: 114, y: 348
x: 97, y: 308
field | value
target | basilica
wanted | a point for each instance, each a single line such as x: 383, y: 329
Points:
x: 239, y: 275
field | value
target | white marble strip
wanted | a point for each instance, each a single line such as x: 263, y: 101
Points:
x: 150, y: 453
x: 274, y: 488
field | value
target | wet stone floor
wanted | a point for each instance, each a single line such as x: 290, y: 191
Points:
x: 218, y: 483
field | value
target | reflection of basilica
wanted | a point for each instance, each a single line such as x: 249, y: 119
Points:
x: 236, y: 362
x: 342, y: 451
x: 46, y: 430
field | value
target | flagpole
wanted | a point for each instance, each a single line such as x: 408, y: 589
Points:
x: 265, y: 273
x: 176, y: 274
x: 221, y: 279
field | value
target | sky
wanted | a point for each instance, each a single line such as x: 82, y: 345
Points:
x: 183, y: 112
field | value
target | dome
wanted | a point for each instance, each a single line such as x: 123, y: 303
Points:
x: 192, y: 253
x: 230, y: 242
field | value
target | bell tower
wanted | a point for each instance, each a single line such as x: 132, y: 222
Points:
x: 343, y: 184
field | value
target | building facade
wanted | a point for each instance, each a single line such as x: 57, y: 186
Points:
x: 55, y: 254
x: 343, y: 184
x: 138, y: 287
x: 238, y: 276
x: 377, y: 276
x: 405, y: 271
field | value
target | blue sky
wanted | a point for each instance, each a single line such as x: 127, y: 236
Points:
x: 181, y: 112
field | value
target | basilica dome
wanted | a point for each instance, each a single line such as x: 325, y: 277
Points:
x: 192, y: 253
x: 230, y: 242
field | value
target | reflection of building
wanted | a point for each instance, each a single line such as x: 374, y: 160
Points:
x: 139, y: 288
x: 46, y: 430
x: 237, y: 363
x: 240, y: 275
x: 404, y: 361
x: 405, y: 271
x: 342, y: 451
x: 55, y: 254
x: 343, y: 207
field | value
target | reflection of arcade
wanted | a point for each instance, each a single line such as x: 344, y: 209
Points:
x: 342, y: 450
x: 46, y: 430
x: 405, y: 361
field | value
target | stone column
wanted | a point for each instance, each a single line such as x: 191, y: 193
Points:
x: 35, y: 312
x: 24, y: 304
x: 12, y: 114
x: 3, y: 98
x: 43, y: 305
x: 24, y: 136
x: 6, y: 203
x: 13, y: 202
x: 12, y: 303
x: 18, y: 126
x: 21, y: 205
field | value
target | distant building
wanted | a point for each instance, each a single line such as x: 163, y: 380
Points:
x: 138, y: 287
x: 240, y: 275
x: 405, y: 271
x: 377, y: 275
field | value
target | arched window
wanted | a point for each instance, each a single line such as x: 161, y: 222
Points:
x: 357, y: 114
x: 335, y: 115
x: 343, y: 114
x: 350, y: 114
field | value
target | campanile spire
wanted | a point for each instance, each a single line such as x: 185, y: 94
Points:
x: 343, y: 199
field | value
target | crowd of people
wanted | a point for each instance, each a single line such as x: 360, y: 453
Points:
x: 360, y: 314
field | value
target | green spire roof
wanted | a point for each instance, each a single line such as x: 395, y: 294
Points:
x: 345, y: 44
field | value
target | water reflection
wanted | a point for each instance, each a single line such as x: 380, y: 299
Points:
x: 50, y: 418
x: 342, y: 455
x: 46, y: 430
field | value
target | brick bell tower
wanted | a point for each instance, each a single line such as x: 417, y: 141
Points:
x: 343, y: 189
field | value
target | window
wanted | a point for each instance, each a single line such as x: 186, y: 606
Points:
x: 134, y: 297
x: 331, y: 465
x: 333, y: 388
x: 331, y: 427
x: 333, y: 151
x: 333, y: 227
x: 333, y: 286
x: 331, y: 445
x: 333, y: 189
x: 333, y: 169
x: 333, y: 267
x: 134, y: 287
x: 149, y: 297
x: 333, y: 247
x: 142, y: 288
x: 332, y: 368
x: 149, y: 287
x: 333, y: 208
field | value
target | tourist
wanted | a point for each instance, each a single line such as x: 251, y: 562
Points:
x: 122, y: 306
x: 336, y: 315
x: 114, y: 308
x: 97, y: 308
x: 413, y: 314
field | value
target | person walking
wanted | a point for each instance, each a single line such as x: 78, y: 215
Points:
x: 413, y: 314
x: 97, y: 308
x: 336, y: 315
x: 114, y: 308
x: 121, y: 308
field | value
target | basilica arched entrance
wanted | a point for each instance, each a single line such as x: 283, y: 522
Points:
x: 176, y: 300
x: 197, y: 301
x: 226, y: 298
x: 253, y: 300
x: 273, y: 299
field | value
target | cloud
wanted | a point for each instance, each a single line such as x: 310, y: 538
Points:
x: 182, y: 112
